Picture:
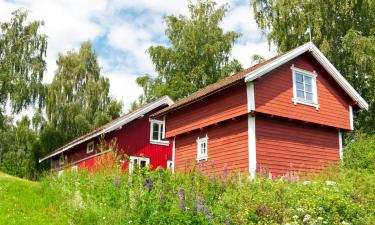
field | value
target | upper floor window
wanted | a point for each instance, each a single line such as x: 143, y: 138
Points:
x: 304, y: 87
x: 157, y: 132
x: 90, y: 147
x: 202, y: 148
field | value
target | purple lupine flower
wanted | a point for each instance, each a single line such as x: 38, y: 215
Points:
x: 257, y: 167
x: 149, y: 183
x: 264, y: 172
x: 205, y: 210
x: 181, y: 196
x: 225, y: 172
x: 116, y: 181
x: 227, y: 220
x: 198, y: 206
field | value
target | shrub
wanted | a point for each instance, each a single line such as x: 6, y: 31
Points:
x: 360, y: 153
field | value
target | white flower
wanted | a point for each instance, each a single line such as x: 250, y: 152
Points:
x: 104, y: 218
x: 299, y: 209
x: 320, y: 218
x: 287, y: 224
x: 330, y: 183
x: 306, y: 218
x: 295, y: 217
x: 306, y: 182
x: 345, y: 223
x: 130, y: 221
x: 325, y: 222
x: 320, y: 208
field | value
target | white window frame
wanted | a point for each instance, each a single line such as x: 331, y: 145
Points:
x: 91, y: 143
x: 139, y: 159
x: 313, y: 75
x: 61, y: 160
x: 200, y: 141
x: 74, y: 168
x: 170, y: 164
x: 160, y: 140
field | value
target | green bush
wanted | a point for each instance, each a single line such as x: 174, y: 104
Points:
x: 336, y: 196
x: 360, y: 153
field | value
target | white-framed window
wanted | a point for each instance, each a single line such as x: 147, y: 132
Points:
x: 157, y: 132
x: 61, y: 160
x: 60, y: 173
x: 138, y: 161
x: 202, y: 148
x: 74, y: 168
x: 170, y: 164
x: 304, y: 87
x: 90, y: 147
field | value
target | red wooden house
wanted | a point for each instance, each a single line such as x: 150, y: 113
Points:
x: 285, y: 114
x: 137, y: 136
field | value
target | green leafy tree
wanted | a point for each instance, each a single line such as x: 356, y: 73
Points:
x: 78, y: 98
x: 198, y: 55
x: 343, y: 30
x: 22, y: 63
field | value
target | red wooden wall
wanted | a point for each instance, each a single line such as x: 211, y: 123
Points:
x: 133, y: 139
x: 274, y: 93
x: 283, y: 146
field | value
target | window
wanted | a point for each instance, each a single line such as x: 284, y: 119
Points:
x: 170, y: 164
x: 61, y: 160
x: 157, y: 132
x: 304, y: 87
x: 136, y: 161
x: 202, y: 148
x: 90, y: 147
x: 74, y: 168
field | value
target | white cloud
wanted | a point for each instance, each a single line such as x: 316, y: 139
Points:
x: 126, y: 29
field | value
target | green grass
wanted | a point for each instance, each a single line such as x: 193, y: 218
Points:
x: 27, y: 202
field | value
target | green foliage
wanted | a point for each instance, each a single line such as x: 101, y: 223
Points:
x: 22, y: 63
x: 198, y: 56
x: 109, y: 196
x: 78, y: 98
x: 360, y: 153
x: 343, y: 30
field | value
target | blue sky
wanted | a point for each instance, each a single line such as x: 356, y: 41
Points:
x: 121, y: 32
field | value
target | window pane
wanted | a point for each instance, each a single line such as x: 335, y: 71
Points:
x: 308, y: 80
x: 299, y: 86
x: 143, y: 163
x: 308, y: 88
x: 155, y: 131
x: 299, y: 77
x: 309, y: 96
x: 300, y: 94
x: 161, y: 131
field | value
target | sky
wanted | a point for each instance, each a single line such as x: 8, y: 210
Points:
x: 122, y: 30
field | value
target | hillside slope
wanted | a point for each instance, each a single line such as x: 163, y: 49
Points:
x: 25, y: 202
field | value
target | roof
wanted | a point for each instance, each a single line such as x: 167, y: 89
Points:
x: 213, y: 88
x: 261, y: 69
x: 113, y: 125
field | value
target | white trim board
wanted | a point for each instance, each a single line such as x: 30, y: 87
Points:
x: 341, y: 154
x: 252, y: 146
x: 162, y: 101
x: 318, y: 55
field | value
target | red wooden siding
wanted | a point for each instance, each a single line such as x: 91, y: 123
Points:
x: 133, y: 139
x: 274, y: 93
x: 227, y: 147
x: 224, y: 105
x: 283, y: 146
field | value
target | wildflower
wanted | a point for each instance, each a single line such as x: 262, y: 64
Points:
x: 330, y: 183
x: 295, y: 217
x: 325, y: 222
x: 104, y: 218
x: 225, y: 172
x: 320, y: 208
x: 205, y: 210
x: 181, y: 196
x: 149, y: 183
x: 345, y: 223
x: 306, y: 217
x: 227, y: 220
x: 320, y: 218
x: 198, y: 206
x: 130, y: 222
x: 306, y: 182
x: 299, y: 209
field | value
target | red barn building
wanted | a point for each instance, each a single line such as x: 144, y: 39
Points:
x: 137, y: 136
x: 285, y: 114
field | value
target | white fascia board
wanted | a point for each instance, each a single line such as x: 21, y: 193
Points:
x: 318, y: 55
x: 163, y: 101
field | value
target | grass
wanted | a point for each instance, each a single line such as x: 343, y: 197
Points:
x: 26, y: 202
